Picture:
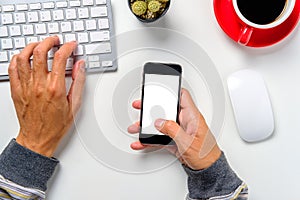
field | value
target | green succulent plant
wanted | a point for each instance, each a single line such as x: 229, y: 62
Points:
x: 154, y: 6
x: 148, y: 9
x: 139, y: 7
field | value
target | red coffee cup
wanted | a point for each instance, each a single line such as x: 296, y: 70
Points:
x: 248, y: 33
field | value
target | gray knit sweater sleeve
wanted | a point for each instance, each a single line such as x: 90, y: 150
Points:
x: 25, y: 167
x: 219, y: 180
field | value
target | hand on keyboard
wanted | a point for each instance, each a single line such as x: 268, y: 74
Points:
x: 89, y: 22
x: 44, y: 108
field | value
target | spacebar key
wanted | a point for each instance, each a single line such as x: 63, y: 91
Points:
x: 4, y: 69
x: 97, y: 48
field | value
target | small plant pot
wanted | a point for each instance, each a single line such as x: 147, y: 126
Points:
x: 147, y: 17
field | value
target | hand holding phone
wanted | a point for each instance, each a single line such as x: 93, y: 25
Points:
x: 195, y: 147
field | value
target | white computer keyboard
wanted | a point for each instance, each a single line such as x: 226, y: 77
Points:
x: 89, y: 22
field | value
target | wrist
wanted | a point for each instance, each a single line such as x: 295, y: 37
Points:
x: 34, y: 146
x: 208, y: 160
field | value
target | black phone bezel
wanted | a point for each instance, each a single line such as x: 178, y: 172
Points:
x: 161, y: 69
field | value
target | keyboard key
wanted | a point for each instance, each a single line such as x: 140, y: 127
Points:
x: 43, y: 37
x: 4, y: 69
x: 48, y: 5
x: 53, y: 27
x: 58, y: 15
x: 22, y: 7
x: 99, y: 36
x: 107, y: 63
x: 97, y: 48
x: 6, y: 19
x: 61, y: 39
x: 83, y: 13
x: 100, y: 2
x: 19, y: 42
x: 61, y: 4
x: 27, y: 29
x: 3, y: 31
x: 35, y: 6
x: 50, y: 62
x: 32, y: 17
x: 70, y: 63
x: 8, y: 8
x: 70, y: 37
x: 91, y: 24
x: 31, y: 40
x: 3, y: 56
x: 19, y: 18
x: 71, y: 14
x: 66, y: 27
x: 78, y: 51
x: 78, y: 25
x: 103, y: 23
x: 87, y: 2
x: 52, y: 52
x: 94, y: 65
x: 99, y: 11
x: 93, y: 58
x: 15, y: 30
x: 82, y: 38
x: 74, y: 3
x: 45, y: 16
x: 12, y: 53
x: 6, y: 43
x: 40, y: 29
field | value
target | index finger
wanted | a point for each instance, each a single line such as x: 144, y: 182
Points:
x: 186, y: 99
x: 14, y: 75
x: 60, y: 61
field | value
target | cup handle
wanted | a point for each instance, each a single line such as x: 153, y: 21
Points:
x: 245, y: 35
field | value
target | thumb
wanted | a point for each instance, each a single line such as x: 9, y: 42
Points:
x: 172, y: 129
x: 77, y: 86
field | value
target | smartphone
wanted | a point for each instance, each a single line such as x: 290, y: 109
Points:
x: 160, y: 99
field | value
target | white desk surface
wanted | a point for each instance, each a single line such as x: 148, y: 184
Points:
x: 270, y: 168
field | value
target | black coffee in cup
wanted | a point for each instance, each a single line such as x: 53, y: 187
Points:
x: 261, y: 11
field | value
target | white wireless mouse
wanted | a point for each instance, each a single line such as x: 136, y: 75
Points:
x: 251, y: 105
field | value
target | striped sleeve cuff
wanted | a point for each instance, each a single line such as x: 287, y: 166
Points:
x: 10, y: 190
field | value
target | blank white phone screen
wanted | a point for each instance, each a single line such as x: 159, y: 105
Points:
x: 160, y: 100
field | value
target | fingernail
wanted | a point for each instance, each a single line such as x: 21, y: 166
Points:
x: 159, y: 123
x: 82, y: 65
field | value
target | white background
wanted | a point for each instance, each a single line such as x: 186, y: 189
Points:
x: 270, y: 168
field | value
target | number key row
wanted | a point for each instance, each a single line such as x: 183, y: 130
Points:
x: 50, y: 5
x: 55, y: 15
